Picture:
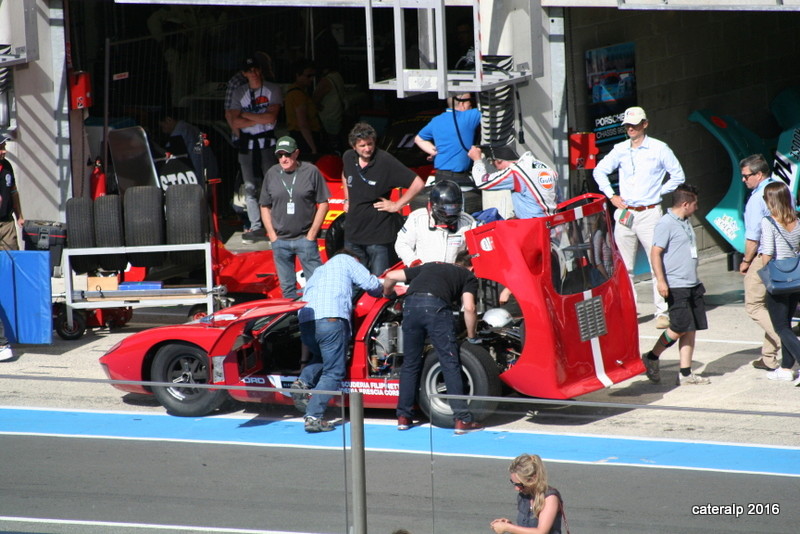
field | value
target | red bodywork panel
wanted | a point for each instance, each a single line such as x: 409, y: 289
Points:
x: 555, y: 363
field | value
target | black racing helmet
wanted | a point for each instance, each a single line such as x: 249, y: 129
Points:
x: 446, y: 203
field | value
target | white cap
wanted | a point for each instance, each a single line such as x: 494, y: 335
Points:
x: 634, y: 116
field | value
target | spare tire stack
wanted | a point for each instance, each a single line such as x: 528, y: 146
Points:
x: 145, y: 216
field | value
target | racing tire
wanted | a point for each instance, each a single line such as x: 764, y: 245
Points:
x: 80, y: 233
x: 66, y: 332
x: 187, y: 221
x: 334, y: 236
x: 182, y: 363
x: 144, y: 223
x: 108, y: 231
x: 481, y: 379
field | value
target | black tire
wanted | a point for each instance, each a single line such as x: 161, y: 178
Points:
x: 187, y: 221
x: 182, y: 363
x: 80, y: 233
x: 108, y: 231
x: 334, y: 236
x: 481, y: 379
x: 144, y: 224
x: 63, y: 330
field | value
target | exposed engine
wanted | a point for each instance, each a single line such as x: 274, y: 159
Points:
x: 503, y: 337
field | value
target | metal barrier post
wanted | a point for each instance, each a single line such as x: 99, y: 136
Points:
x: 357, y: 461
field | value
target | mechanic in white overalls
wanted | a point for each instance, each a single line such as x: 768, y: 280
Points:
x: 436, y: 232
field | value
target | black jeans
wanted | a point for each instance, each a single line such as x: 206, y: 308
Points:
x: 781, y: 310
x: 429, y: 316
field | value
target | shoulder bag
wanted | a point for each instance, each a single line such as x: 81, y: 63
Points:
x: 781, y: 277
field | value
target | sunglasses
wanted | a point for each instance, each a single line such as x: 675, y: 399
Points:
x: 518, y: 485
x: 747, y: 176
x: 283, y: 154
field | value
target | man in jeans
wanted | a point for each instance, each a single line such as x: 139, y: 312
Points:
x: 428, y: 313
x: 325, y: 330
x: 294, y: 201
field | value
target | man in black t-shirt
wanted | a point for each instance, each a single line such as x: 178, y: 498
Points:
x: 369, y: 175
x: 433, y: 291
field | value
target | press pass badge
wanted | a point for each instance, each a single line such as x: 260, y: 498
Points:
x: 694, y: 252
x: 626, y: 218
x: 290, y: 208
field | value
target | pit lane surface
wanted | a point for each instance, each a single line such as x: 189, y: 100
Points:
x: 68, y: 471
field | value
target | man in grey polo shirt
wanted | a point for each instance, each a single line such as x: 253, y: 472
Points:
x: 294, y: 202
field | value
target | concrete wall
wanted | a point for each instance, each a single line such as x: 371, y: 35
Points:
x: 40, y: 149
x: 732, y: 63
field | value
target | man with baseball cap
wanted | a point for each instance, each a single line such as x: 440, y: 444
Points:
x: 642, y: 163
x: 294, y: 202
x: 533, y: 184
x: 252, y: 116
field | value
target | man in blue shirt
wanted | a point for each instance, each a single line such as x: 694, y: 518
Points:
x: 756, y: 176
x: 325, y: 330
x: 642, y: 163
x: 448, y: 136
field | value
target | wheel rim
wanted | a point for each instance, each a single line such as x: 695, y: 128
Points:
x: 187, y: 369
x: 434, y: 383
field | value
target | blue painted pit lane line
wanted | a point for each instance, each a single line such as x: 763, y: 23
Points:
x: 568, y: 448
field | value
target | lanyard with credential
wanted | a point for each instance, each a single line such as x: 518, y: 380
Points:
x: 290, y: 204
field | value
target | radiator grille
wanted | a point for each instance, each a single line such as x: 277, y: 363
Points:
x: 591, y: 318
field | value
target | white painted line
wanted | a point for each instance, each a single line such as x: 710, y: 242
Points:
x: 170, y: 528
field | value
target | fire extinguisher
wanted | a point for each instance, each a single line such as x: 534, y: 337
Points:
x: 98, y: 180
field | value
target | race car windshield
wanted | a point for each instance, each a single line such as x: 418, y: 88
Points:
x: 581, y: 254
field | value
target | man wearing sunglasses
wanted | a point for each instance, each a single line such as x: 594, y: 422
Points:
x: 369, y: 174
x: 642, y: 163
x: 756, y: 176
x: 294, y: 201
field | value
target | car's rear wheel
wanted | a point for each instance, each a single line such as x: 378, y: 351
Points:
x: 481, y: 379
x: 181, y: 363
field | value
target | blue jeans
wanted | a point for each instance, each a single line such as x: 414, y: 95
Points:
x: 373, y: 257
x: 431, y: 317
x: 284, y: 252
x: 781, y: 310
x: 327, y: 339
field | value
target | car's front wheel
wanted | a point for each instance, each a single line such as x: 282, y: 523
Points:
x: 481, y: 379
x: 183, y: 364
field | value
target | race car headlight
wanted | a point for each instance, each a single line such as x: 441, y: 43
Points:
x: 218, y: 373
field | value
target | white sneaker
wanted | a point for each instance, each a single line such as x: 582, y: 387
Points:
x: 692, y: 380
x: 5, y: 353
x: 781, y: 374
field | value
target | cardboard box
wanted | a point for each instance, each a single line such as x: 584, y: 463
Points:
x: 102, y: 283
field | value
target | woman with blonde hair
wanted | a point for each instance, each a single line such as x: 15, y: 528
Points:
x: 780, y: 237
x: 539, y: 506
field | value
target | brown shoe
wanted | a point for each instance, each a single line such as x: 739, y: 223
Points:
x: 759, y: 364
x: 463, y: 427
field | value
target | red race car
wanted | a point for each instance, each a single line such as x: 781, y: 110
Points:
x: 571, y: 329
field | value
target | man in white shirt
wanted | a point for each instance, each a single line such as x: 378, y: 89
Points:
x: 642, y: 163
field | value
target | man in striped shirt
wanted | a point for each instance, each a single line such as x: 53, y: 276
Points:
x: 533, y: 184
